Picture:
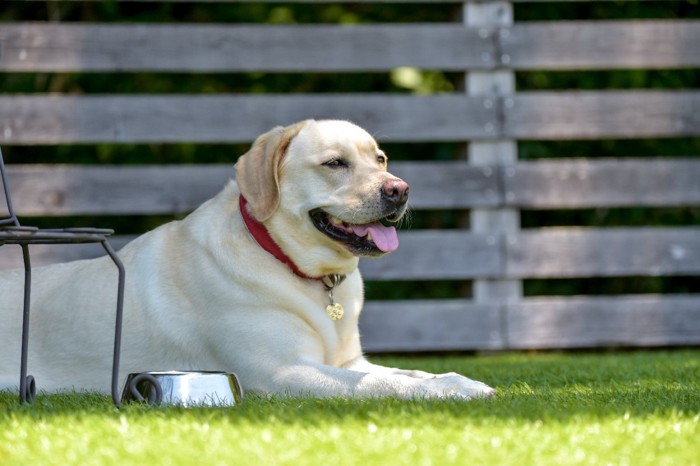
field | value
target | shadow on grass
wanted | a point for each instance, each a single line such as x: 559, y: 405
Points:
x: 555, y: 387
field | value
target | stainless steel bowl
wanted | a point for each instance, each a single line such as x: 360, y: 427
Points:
x: 183, y: 388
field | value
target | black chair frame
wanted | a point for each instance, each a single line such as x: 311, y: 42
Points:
x: 11, y: 232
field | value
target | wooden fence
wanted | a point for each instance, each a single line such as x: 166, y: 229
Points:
x: 495, y: 253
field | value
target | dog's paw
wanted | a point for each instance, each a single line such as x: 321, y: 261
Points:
x: 456, y: 386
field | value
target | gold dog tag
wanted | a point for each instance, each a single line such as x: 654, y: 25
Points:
x: 334, y: 310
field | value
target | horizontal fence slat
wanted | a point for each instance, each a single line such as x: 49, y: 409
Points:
x: 439, y: 325
x: 534, y: 323
x: 602, y: 114
x: 423, y: 255
x: 304, y: 48
x: 449, y: 185
x: 584, y: 252
x: 603, y: 183
x: 461, y: 255
x: 56, y: 190
x: 586, y: 322
x: 601, y: 45
x: 242, y: 48
x: 437, y: 255
x: 43, y: 119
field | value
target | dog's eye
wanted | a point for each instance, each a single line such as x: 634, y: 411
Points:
x: 336, y: 163
x: 381, y: 159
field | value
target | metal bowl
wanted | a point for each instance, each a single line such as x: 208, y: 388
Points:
x: 183, y: 388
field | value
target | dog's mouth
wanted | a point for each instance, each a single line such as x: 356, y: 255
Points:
x: 370, y: 239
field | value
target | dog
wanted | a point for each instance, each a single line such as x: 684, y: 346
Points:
x: 261, y: 280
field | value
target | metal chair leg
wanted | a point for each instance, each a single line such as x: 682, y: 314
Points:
x: 27, y: 385
x: 118, y: 323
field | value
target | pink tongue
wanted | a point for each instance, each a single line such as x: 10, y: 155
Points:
x: 385, y: 238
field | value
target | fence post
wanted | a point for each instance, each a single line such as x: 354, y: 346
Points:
x: 495, y: 86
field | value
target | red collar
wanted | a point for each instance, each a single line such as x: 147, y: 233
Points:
x: 263, y: 238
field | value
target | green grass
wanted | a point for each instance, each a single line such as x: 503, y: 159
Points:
x: 637, y: 408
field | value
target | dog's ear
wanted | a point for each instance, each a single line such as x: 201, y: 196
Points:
x: 257, y: 171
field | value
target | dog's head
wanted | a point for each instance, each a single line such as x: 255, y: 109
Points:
x: 323, y: 191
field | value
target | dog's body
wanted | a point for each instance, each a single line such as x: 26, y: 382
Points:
x: 202, y: 294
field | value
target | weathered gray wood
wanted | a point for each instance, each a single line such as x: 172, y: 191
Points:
x: 611, y: 114
x: 601, y: 45
x: 570, y: 252
x: 603, y: 183
x: 458, y: 255
x: 535, y: 323
x: 42, y: 119
x: 586, y: 322
x: 437, y: 325
x: 423, y: 255
x: 57, y: 190
x: 218, y: 48
x: 496, y: 153
x: 574, y: 45
x: 437, y: 255
x: 449, y: 185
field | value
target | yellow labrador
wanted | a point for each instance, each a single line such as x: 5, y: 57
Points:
x: 241, y: 284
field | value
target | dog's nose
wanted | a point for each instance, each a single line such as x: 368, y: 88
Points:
x: 395, y: 191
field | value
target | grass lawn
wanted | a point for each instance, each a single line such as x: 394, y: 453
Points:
x: 637, y: 408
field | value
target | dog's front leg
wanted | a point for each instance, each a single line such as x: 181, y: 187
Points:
x: 320, y: 380
x: 472, y: 388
